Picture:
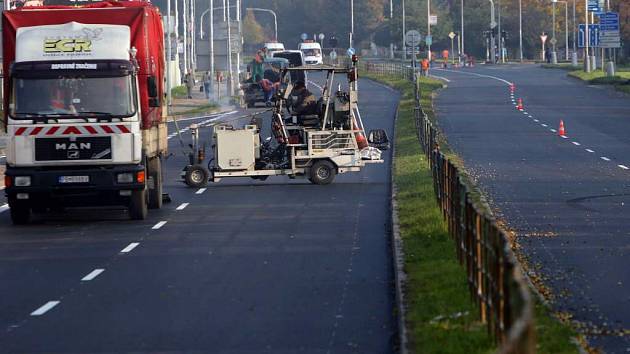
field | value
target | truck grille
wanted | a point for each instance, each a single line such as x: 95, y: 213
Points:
x: 69, y: 149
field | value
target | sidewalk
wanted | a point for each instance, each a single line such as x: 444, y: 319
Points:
x: 197, y: 105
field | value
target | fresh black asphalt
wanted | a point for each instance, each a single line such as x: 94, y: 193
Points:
x: 281, y: 266
x: 569, y: 207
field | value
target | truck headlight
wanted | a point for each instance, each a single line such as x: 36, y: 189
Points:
x: 125, y: 178
x: 22, y: 181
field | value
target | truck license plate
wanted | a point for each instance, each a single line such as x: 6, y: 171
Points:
x: 74, y: 179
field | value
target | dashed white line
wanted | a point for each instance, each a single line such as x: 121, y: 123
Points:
x: 130, y: 247
x: 200, y: 191
x: 553, y: 130
x: 93, y: 274
x: 605, y: 158
x: 589, y: 150
x: 47, y: 307
x: 576, y: 143
x: 564, y: 137
x: 536, y: 120
x: 543, y: 125
x: 4, y: 208
x: 525, y: 113
x: 159, y: 225
x: 623, y: 167
x: 182, y: 206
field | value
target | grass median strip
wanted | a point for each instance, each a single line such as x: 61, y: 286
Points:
x: 440, y: 314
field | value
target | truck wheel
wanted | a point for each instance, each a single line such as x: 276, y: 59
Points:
x: 197, y: 176
x: 154, y: 171
x: 138, y: 208
x: 322, y: 172
x: 20, y: 213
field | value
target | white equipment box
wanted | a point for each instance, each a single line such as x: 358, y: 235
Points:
x: 235, y: 149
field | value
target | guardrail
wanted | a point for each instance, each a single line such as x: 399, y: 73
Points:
x: 494, y: 277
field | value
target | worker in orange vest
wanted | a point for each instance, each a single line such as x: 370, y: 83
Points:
x: 425, y: 67
x: 445, y: 57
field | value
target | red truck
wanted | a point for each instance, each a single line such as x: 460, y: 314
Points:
x: 84, y: 107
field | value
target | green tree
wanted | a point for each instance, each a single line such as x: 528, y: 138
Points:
x: 253, y: 32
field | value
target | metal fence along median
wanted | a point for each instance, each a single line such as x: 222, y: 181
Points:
x: 493, y: 274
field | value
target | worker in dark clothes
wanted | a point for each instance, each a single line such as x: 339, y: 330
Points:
x: 304, y: 102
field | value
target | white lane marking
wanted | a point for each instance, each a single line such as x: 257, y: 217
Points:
x: 623, y: 167
x: 564, y: 137
x: 130, y: 247
x: 536, y: 120
x: 93, y: 274
x: 316, y: 85
x: 589, y: 150
x: 4, y: 208
x: 525, y: 113
x: 201, y: 190
x: 475, y: 74
x: 47, y: 307
x: 201, y: 124
x: 576, y: 143
x: 159, y: 225
x: 201, y: 117
x: 440, y: 78
x: 182, y: 206
x: 553, y: 130
x: 544, y: 125
x: 605, y: 158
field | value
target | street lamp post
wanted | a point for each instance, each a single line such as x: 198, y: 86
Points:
x: 574, y: 56
x: 492, y: 25
x: 520, y: 29
x: 554, y: 56
x: 275, y: 18
x: 404, y: 50
x: 169, y: 54
x: 566, y: 29
x: 351, y: 23
x: 587, y: 58
x: 462, y: 51
x: 391, y: 18
x: 429, y: 27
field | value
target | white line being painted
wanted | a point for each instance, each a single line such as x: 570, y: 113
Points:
x: 130, y: 247
x: 200, y: 191
x: 4, y: 208
x: 182, y: 206
x: 47, y: 307
x: 623, y: 167
x: 589, y: 150
x: 93, y: 274
x: 159, y: 225
x: 576, y: 143
x: 440, y: 78
x: 474, y: 74
x: 605, y: 158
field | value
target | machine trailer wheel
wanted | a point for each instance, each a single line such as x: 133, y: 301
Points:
x: 196, y: 176
x: 20, y: 213
x: 154, y: 171
x: 322, y: 172
x: 138, y: 208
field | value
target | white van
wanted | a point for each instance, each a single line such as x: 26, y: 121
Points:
x: 312, y: 53
x: 273, y: 47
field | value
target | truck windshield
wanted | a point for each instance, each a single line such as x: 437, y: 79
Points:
x: 314, y: 52
x: 73, y: 96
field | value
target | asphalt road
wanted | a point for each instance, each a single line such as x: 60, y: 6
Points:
x: 568, y: 198
x: 242, y: 266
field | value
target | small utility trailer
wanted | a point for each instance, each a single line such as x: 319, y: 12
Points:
x: 317, y: 146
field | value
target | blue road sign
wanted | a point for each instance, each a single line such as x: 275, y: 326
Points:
x: 593, y: 33
x: 594, y: 6
x: 609, y: 21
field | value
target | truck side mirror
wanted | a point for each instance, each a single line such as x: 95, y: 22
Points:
x: 152, y: 87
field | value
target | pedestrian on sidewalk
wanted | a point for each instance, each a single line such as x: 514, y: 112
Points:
x: 207, y: 80
x: 189, y: 80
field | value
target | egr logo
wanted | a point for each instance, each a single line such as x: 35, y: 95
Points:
x: 67, y: 45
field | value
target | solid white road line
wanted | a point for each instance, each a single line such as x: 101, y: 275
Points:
x: 159, y: 225
x: 589, y: 150
x: 440, y: 78
x: 605, y: 158
x: 623, y: 167
x: 576, y: 143
x: 47, y: 307
x: 474, y: 74
x: 93, y: 274
x: 182, y: 206
x: 4, y: 208
x: 201, y: 190
x: 130, y: 247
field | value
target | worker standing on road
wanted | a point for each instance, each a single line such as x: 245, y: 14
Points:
x: 425, y: 67
x: 189, y: 79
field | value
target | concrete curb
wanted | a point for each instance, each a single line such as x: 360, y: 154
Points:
x: 398, y: 256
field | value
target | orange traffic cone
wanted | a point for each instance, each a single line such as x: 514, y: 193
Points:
x: 519, y: 105
x: 561, y: 128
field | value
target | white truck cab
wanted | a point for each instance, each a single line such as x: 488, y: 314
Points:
x: 312, y: 52
x: 273, y: 47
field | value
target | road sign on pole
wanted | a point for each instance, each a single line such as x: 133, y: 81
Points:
x: 413, y: 38
x: 593, y: 6
x: 593, y: 33
x: 609, y: 36
x: 433, y: 20
x: 428, y: 40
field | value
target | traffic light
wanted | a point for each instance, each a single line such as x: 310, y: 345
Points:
x: 504, y: 35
